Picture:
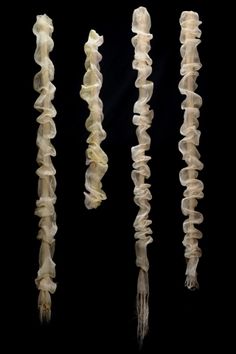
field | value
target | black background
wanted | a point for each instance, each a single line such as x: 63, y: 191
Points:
x: 94, y: 305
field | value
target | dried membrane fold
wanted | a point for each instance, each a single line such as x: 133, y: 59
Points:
x: 189, y: 37
x: 96, y: 159
x: 43, y: 29
x: 142, y: 119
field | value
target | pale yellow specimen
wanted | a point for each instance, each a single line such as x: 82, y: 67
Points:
x: 142, y: 119
x: 43, y: 29
x: 190, y: 65
x: 96, y: 159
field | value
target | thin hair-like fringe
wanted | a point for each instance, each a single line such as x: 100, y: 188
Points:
x: 142, y: 306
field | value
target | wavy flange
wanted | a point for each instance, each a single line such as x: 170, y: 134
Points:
x: 43, y: 29
x: 142, y: 118
x: 96, y: 159
x: 189, y: 37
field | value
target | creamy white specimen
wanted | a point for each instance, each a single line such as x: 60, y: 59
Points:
x: 142, y: 119
x: 96, y: 159
x: 189, y: 37
x: 43, y: 29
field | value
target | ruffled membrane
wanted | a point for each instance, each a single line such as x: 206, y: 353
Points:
x: 189, y: 37
x: 142, y: 119
x: 43, y: 29
x: 96, y: 159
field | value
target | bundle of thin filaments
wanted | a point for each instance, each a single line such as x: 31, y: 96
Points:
x: 142, y: 119
x: 43, y: 29
x: 96, y: 159
x: 190, y: 65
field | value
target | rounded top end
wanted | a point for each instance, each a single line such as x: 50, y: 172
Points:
x: 43, y: 23
x: 141, y: 20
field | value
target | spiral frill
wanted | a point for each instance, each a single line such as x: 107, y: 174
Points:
x: 190, y: 65
x: 43, y: 29
x: 142, y: 119
x: 96, y: 159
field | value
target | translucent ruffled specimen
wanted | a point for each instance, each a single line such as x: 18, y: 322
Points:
x: 142, y: 119
x: 43, y: 29
x: 190, y: 65
x: 96, y: 159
